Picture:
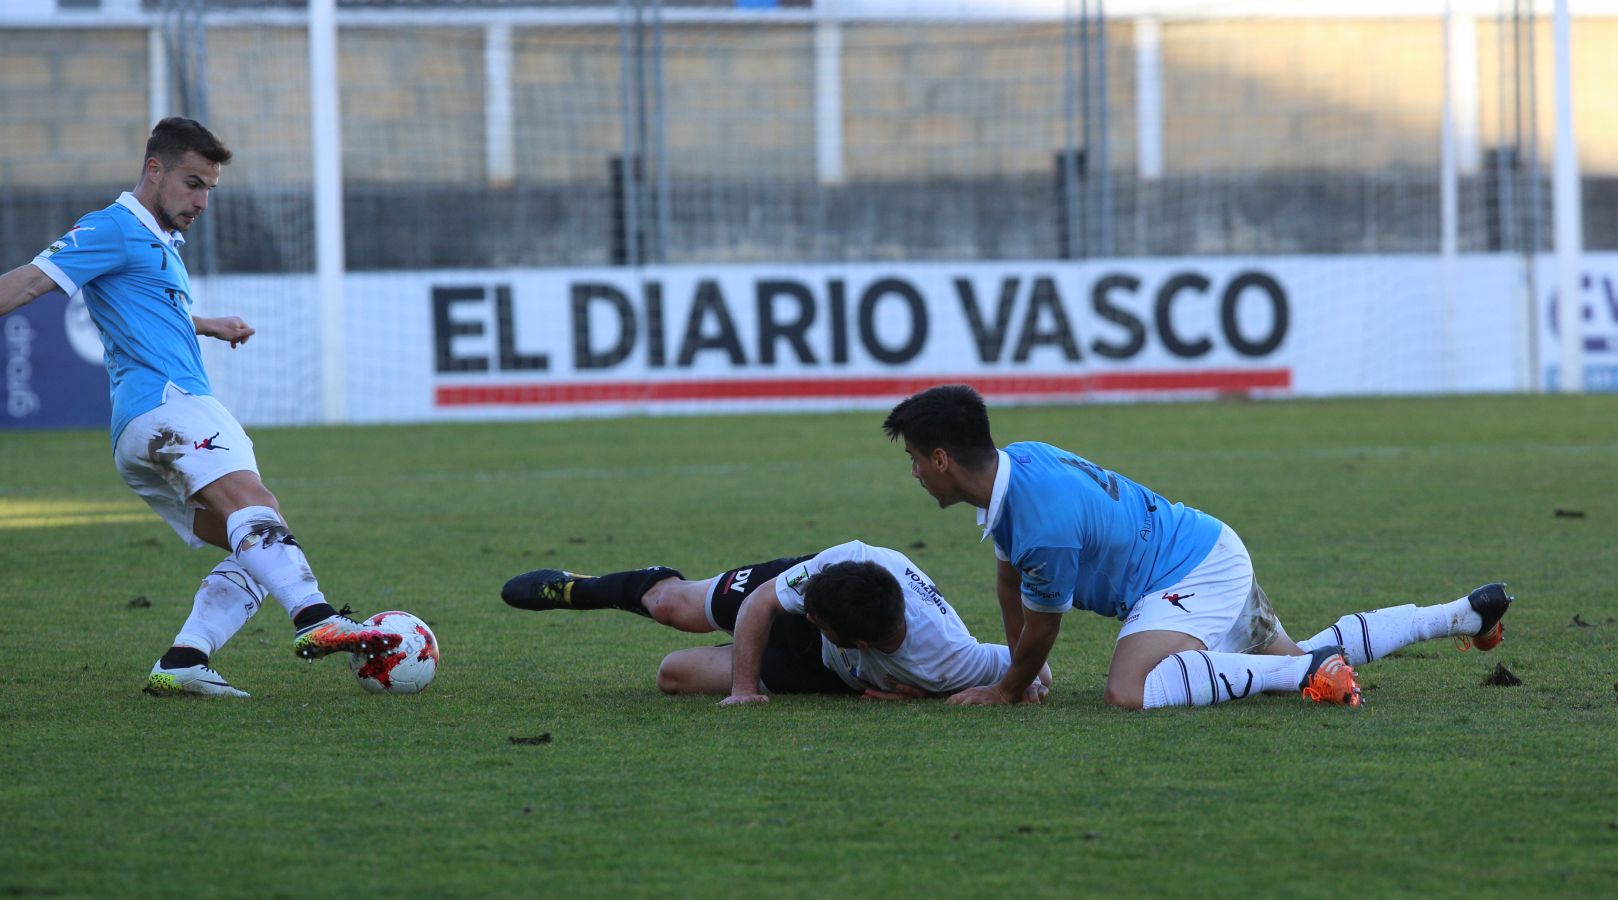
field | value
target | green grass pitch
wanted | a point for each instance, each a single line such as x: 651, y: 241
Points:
x: 1439, y: 786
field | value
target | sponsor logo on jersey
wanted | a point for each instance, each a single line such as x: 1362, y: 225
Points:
x: 926, y: 589
x: 58, y: 245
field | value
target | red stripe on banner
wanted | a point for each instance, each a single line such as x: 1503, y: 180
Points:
x: 561, y: 393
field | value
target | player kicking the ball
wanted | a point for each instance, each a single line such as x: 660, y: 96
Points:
x: 853, y: 619
x: 173, y: 443
x: 1197, y: 629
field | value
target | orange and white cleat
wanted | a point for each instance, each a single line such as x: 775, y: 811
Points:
x: 337, y: 633
x: 1491, y: 602
x: 1330, y: 679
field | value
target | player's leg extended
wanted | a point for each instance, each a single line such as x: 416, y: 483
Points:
x: 544, y: 589
x: 680, y: 604
x: 698, y: 670
x: 238, y: 508
x: 227, y: 598
x: 1237, y: 648
x: 1475, y: 618
x: 241, y: 507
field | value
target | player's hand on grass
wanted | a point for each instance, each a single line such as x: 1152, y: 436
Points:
x: 744, y: 699
x: 900, y: 691
x: 1035, y: 692
x: 226, y: 328
x: 987, y: 695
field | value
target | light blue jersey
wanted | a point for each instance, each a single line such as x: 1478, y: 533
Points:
x: 139, y: 295
x: 1086, y: 537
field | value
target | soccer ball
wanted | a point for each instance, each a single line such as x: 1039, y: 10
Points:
x: 407, y: 668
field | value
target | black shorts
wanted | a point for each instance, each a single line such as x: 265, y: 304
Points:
x: 792, y: 663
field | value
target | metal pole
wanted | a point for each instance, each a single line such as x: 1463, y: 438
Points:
x: 627, y: 164
x: 665, y: 215
x: 1448, y: 189
x: 499, y: 111
x: 1070, y: 156
x: 642, y: 162
x: 1103, y: 155
x: 1569, y: 211
x: 828, y: 98
x: 1088, y: 141
x: 1536, y: 207
x: 1503, y: 164
x: 325, y: 127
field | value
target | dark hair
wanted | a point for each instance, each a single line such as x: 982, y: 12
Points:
x: 176, y: 136
x: 951, y: 416
x: 857, y: 601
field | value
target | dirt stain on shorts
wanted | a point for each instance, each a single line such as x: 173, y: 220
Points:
x: 164, y: 439
x: 1258, y: 625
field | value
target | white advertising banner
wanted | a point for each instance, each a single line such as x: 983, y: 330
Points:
x: 559, y: 341
x: 1598, y: 311
x: 566, y: 342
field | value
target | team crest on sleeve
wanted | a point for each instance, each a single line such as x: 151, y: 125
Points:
x: 795, y: 581
x: 53, y: 248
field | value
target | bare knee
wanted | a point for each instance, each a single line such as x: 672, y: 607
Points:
x: 664, y: 606
x: 672, y: 676
x: 1125, y: 697
x: 678, y: 604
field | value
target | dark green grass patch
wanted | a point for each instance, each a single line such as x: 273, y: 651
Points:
x: 1439, y: 786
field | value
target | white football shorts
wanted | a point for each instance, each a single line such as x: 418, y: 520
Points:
x: 168, y: 454
x: 1219, y: 603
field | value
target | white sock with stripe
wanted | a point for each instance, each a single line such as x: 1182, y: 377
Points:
x: 267, y: 550
x: 227, y: 598
x: 1372, y: 635
x: 1203, y: 678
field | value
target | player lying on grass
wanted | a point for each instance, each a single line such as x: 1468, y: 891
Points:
x: 174, y: 444
x: 853, y: 619
x: 1197, y: 630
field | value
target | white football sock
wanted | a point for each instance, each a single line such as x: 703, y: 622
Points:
x: 1203, y: 678
x: 267, y: 550
x: 227, y: 598
x: 1372, y: 635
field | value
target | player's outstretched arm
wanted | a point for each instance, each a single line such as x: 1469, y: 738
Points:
x: 753, y: 622
x: 1027, y: 661
x: 225, y: 328
x: 23, y: 285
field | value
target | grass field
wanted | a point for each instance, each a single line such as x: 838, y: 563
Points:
x: 1439, y: 786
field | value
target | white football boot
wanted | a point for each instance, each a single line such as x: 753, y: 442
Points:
x: 189, y: 680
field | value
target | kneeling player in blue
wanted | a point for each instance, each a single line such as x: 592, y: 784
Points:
x: 853, y: 619
x: 1197, y: 630
x: 174, y: 444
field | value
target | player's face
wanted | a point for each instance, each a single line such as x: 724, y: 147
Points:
x: 931, y: 469
x: 834, y: 637
x: 182, y: 189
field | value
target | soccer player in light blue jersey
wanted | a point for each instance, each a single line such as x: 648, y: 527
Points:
x: 1198, y: 629
x: 173, y: 443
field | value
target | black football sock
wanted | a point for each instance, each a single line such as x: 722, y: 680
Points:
x: 620, y: 590
x: 311, y: 614
x: 183, y: 658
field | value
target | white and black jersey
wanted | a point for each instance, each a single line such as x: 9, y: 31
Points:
x: 938, y: 653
